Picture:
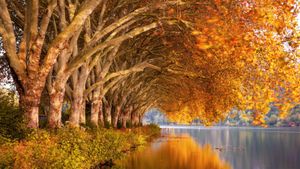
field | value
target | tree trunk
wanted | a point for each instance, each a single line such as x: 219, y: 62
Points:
x: 124, y: 119
x: 56, y: 94
x: 30, y: 102
x: 96, y: 111
x: 101, y: 115
x: 82, y: 119
x: 107, y: 115
x: 116, y: 116
x: 76, y: 110
x: 140, y: 120
x: 79, y: 103
x: 30, y: 107
x: 134, y: 119
x: 56, y: 103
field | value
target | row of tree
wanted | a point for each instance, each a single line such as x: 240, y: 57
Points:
x: 86, y: 52
x: 118, y: 58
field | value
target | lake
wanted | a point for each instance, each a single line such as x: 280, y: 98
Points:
x: 220, y: 148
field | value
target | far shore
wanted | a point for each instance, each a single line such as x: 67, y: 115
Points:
x: 222, y: 127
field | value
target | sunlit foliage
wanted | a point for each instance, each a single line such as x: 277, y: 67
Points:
x: 244, y: 56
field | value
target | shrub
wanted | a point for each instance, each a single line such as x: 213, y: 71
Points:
x: 10, y: 116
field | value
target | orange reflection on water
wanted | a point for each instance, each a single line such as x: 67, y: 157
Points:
x: 176, y: 153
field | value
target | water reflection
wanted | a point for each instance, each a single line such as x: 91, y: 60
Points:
x: 250, y: 148
x: 175, y: 153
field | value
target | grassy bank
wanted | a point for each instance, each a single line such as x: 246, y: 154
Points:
x: 73, y: 148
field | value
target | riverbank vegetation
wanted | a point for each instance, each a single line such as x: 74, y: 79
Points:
x: 67, y: 147
x: 73, y: 147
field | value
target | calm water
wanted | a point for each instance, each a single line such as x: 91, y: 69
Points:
x: 216, y: 148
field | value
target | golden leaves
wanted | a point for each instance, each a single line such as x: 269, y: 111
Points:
x: 196, y: 33
x: 240, y: 53
x: 213, y: 20
x: 204, y: 46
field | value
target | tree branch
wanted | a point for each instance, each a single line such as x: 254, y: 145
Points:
x: 100, y: 34
x: 81, y: 58
x: 9, y: 41
x: 137, y: 68
x: 60, y: 41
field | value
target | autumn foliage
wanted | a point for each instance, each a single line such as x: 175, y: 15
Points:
x: 243, y: 55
